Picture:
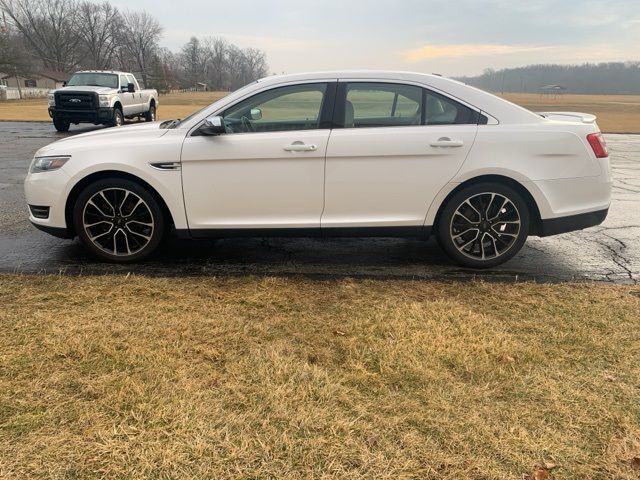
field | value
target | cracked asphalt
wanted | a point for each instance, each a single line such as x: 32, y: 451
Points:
x: 607, y: 253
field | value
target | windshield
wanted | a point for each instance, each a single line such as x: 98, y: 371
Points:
x: 175, y: 123
x: 93, y: 80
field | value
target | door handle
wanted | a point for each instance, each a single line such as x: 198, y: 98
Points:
x: 300, y: 147
x: 446, y: 142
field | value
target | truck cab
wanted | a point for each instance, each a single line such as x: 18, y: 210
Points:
x: 101, y: 97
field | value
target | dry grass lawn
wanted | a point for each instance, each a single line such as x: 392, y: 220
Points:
x: 616, y: 113
x: 128, y: 377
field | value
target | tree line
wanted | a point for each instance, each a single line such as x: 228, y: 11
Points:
x: 70, y: 35
x: 590, y: 78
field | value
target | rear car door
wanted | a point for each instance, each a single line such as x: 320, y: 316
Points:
x: 398, y: 145
x: 267, y: 170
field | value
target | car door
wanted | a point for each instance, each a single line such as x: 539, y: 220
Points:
x: 136, y: 97
x: 267, y: 170
x: 126, y: 99
x: 398, y: 146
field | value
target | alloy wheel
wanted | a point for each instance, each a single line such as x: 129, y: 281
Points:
x: 485, y: 226
x: 118, y: 221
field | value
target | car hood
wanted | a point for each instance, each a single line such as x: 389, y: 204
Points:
x: 107, y: 136
x: 98, y: 90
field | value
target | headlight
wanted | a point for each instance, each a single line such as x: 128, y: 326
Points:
x: 46, y: 164
x: 52, y: 100
x: 105, y: 100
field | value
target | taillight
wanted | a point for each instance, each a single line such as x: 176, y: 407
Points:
x: 599, y: 146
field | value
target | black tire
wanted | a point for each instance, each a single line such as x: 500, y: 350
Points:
x: 479, y: 230
x: 61, y: 125
x: 123, y: 234
x: 118, y: 118
x: 150, y: 116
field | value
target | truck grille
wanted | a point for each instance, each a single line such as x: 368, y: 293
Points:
x: 76, y: 101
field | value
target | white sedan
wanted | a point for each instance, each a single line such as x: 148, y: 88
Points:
x: 330, y: 154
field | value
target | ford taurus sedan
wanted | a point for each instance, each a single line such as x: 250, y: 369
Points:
x: 330, y: 154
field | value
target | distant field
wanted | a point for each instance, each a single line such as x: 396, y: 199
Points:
x: 616, y: 113
x: 173, y: 105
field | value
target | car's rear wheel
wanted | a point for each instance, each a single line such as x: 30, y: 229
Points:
x: 150, y: 116
x: 61, y: 125
x: 483, y: 225
x: 118, y: 220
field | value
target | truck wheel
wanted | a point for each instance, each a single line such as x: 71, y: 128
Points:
x: 118, y: 118
x: 61, y: 125
x: 150, y: 116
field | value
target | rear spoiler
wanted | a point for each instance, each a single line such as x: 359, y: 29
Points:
x: 569, y: 116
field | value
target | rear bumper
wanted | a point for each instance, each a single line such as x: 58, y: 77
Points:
x: 555, y: 226
x: 101, y: 115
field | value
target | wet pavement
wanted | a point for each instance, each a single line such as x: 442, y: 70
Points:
x: 607, y: 253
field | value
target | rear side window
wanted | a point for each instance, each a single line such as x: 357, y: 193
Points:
x: 373, y: 104
x: 440, y: 110
x: 382, y: 105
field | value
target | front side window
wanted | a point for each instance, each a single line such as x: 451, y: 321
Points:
x: 131, y: 79
x: 123, y: 82
x: 382, y: 105
x: 295, y: 107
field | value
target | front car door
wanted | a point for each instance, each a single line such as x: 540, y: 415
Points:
x: 126, y: 98
x: 136, y: 97
x: 267, y: 170
x: 398, y: 146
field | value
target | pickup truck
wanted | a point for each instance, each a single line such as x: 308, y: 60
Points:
x: 101, y: 97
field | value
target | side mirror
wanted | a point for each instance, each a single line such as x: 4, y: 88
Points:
x: 212, y: 126
x: 64, y: 84
x: 131, y: 88
x: 256, y: 114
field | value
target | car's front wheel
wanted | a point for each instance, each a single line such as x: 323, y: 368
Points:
x: 118, y: 220
x: 483, y: 225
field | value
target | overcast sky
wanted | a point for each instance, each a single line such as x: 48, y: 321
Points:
x: 454, y: 37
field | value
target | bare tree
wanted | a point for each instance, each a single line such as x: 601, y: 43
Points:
x: 216, y: 53
x: 139, y: 36
x: 50, y: 29
x: 256, y: 64
x: 193, y: 59
x: 14, y: 59
x: 98, y: 30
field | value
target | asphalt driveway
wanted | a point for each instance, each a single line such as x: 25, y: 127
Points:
x: 607, y: 253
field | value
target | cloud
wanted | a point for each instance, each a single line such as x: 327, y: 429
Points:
x: 464, y: 50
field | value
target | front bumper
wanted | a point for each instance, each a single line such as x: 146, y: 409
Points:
x: 100, y: 115
x: 47, y: 189
x: 55, y: 231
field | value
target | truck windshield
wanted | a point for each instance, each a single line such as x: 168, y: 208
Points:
x: 93, y: 80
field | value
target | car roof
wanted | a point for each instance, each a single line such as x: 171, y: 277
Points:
x: 115, y: 72
x: 360, y: 74
x: 497, y: 107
